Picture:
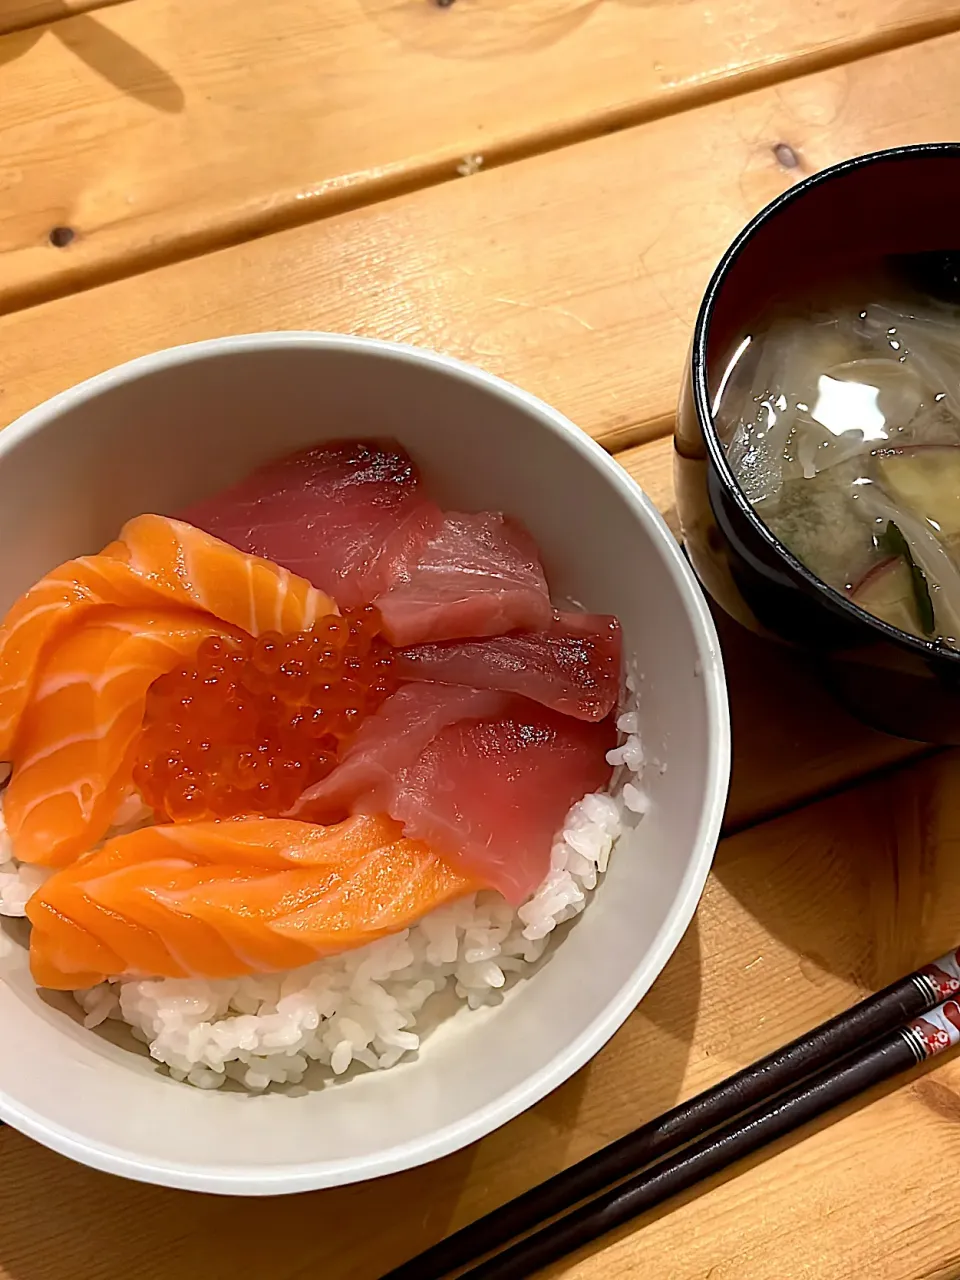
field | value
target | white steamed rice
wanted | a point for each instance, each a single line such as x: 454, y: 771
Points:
x: 365, y: 1006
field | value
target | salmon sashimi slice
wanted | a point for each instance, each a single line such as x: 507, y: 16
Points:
x: 224, y: 899
x: 155, y: 886
x: 65, y: 951
x: 388, y: 742
x: 347, y: 515
x: 574, y: 666
x: 156, y: 562
x: 86, y: 894
x: 73, y: 757
x: 140, y: 950
x: 185, y: 901
x: 491, y: 795
x: 189, y: 567
x: 264, y: 844
x: 479, y: 575
x: 44, y: 612
x: 417, y: 876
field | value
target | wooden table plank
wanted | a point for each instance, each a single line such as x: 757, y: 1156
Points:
x: 801, y: 916
x: 18, y: 15
x: 504, y: 272
x: 159, y: 128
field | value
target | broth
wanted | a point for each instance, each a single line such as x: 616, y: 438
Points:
x: 839, y: 413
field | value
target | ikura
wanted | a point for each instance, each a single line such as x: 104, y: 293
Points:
x: 248, y: 725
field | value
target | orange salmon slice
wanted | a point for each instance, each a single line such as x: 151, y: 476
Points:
x: 77, y: 736
x: 230, y: 898
x: 157, y: 562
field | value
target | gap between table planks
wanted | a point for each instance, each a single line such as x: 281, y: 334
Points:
x: 801, y: 916
x: 504, y: 271
x: 155, y: 129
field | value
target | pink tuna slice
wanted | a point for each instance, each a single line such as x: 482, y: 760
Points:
x: 351, y: 517
x: 346, y: 515
x: 483, y: 777
x: 479, y: 575
x: 386, y: 743
x: 491, y: 795
x: 573, y: 666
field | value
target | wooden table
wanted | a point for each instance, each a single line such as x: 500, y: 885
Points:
x: 542, y: 187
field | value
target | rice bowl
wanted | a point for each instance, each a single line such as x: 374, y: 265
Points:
x: 315, y: 1015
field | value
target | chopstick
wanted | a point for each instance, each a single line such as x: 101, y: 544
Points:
x: 888, y: 1057
x: 778, y: 1093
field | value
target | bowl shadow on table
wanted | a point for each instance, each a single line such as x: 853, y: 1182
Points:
x: 468, y: 30
x: 792, y: 741
x: 106, y: 53
x: 857, y: 872
x: 155, y: 1232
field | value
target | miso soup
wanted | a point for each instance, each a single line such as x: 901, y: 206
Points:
x: 840, y: 416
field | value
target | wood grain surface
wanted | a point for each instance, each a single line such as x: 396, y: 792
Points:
x: 18, y: 15
x: 152, y: 130
x: 801, y: 916
x: 158, y: 128
x: 493, y: 268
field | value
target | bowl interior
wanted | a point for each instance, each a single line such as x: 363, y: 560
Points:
x: 164, y: 431
x: 899, y: 201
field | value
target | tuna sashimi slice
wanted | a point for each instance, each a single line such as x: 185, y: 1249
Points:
x: 573, y: 666
x: 346, y: 515
x: 479, y: 575
x: 490, y: 795
x: 485, y: 777
x: 352, y: 518
x: 390, y: 741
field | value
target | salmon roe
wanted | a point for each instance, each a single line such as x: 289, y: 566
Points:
x: 248, y: 725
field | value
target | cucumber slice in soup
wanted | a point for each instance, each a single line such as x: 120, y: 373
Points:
x: 927, y: 480
x: 887, y: 592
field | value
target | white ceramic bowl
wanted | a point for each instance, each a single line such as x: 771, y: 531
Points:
x: 165, y: 429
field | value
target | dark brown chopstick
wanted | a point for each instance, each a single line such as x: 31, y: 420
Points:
x: 820, y: 1050
x: 831, y: 1087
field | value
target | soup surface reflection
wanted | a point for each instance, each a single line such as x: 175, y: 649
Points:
x: 840, y: 416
